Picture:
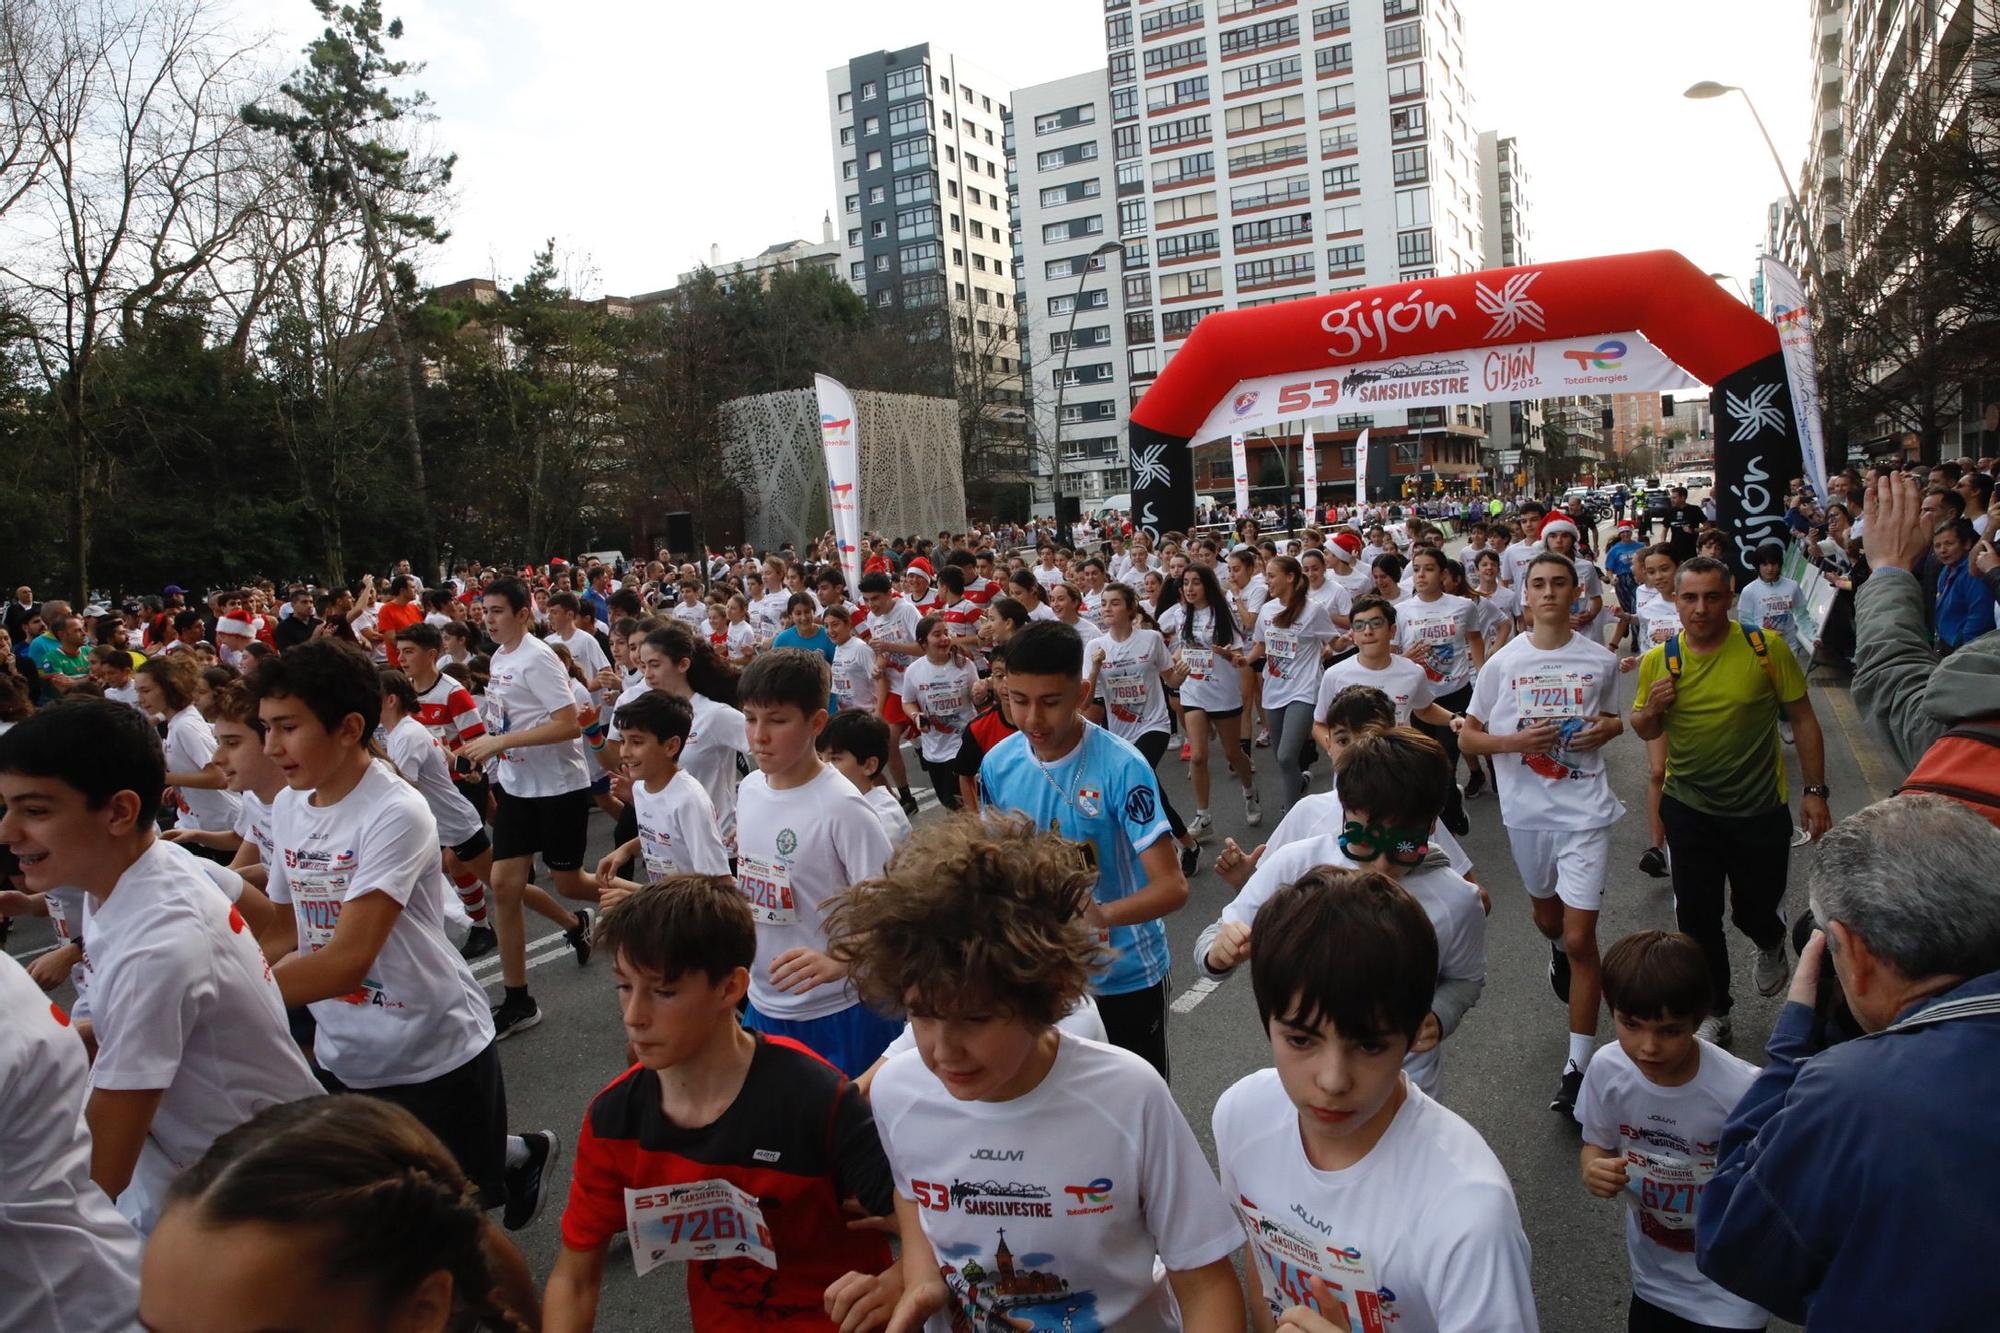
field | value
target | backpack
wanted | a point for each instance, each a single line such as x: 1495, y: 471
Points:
x: 1757, y: 646
x: 1963, y: 764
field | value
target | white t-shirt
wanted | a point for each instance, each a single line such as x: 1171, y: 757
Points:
x: 1049, y: 575
x: 713, y: 744
x: 1128, y: 680
x: 588, y: 653
x: 1291, y: 653
x: 899, y: 625
x: 768, y: 614
x: 1407, y: 685
x: 127, y: 694
x: 527, y: 687
x: 1771, y: 607
x: 72, y: 1262
x: 1502, y: 605
x: 1524, y: 686
x: 634, y: 686
x: 1514, y: 558
x: 944, y: 695
x: 1422, y: 1235
x: 253, y: 824
x: 420, y: 758
x: 1447, y: 898
x: 1445, y: 628
x: 190, y: 744
x: 1336, y: 599
x: 378, y: 651
x: 1212, y: 683
x: 419, y: 1013
x: 1075, y: 1187
x: 1320, y: 814
x: 740, y: 637
x: 182, y: 1000
x: 1357, y: 580
x: 1246, y: 602
x: 796, y: 849
x: 895, y: 822
x: 692, y: 614
x: 1669, y: 1137
x: 677, y: 830
x: 1659, y: 618
x: 853, y: 672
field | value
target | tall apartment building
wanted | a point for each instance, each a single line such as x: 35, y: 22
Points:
x: 1516, y: 449
x: 1260, y: 151
x: 1822, y: 192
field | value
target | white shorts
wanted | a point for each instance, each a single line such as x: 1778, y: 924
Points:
x: 1563, y: 863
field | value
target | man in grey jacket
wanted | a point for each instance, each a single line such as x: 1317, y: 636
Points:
x: 1900, y: 685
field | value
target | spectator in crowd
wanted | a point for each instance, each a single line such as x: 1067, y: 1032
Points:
x: 1899, y: 684
x: 1842, y: 1183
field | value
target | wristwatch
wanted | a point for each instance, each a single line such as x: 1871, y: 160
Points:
x: 1820, y: 791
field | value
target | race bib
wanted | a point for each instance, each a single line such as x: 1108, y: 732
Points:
x: 1549, y: 696
x: 1667, y: 1187
x: 768, y: 887
x: 709, y: 1219
x: 316, y: 899
x: 1281, y: 644
x: 1200, y: 662
x: 657, y: 851
x: 1289, y: 1256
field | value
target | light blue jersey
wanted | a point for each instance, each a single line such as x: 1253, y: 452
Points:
x: 1103, y: 793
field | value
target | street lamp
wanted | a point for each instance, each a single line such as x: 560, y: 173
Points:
x: 1707, y: 89
x: 1062, y: 376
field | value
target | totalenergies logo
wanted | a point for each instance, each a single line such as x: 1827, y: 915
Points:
x: 1092, y: 1198
x: 840, y: 488
x: 1788, y: 318
x: 1607, y: 355
x: 1244, y: 402
x: 837, y: 427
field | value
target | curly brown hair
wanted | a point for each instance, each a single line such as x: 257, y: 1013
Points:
x: 975, y: 912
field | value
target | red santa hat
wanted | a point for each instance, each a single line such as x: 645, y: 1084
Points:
x: 921, y: 566
x: 233, y: 625
x: 1558, y: 523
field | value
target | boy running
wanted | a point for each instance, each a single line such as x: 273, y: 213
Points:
x: 677, y: 833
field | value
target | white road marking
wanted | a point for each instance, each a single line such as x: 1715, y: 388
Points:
x: 1185, y: 1002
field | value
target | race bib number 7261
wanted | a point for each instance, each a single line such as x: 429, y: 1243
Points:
x: 709, y: 1219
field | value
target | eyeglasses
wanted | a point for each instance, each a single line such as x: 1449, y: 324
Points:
x: 1368, y: 624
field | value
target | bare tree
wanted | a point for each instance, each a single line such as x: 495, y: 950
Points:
x: 670, y: 394
x: 132, y: 114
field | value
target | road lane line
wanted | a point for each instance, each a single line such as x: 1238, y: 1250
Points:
x: 1185, y: 1002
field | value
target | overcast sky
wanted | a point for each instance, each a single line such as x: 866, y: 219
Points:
x: 639, y: 132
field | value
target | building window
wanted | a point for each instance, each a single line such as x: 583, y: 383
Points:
x: 1124, y: 67
x: 1056, y: 232
x: 909, y: 117
x: 1400, y: 9
x: 1177, y: 92
x: 847, y: 169
x: 1272, y: 231
x: 878, y: 229
x: 1183, y: 283
x: 1330, y: 20
x: 1175, y: 55
x: 905, y: 82
x: 924, y: 257
x: 1346, y: 176
x: 1337, y: 100
x: 1263, y: 115
x: 1170, y: 18
x: 844, y: 102
x: 1117, y: 31
x: 1407, y: 123
x: 1188, y: 129
x: 1342, y: 219
x: 1412, y: 166
x: 875, y: 160
x: 1270, y: 192
x: 1175, y: 170
x: 1125, y: 143
x: 847, y: 134
x: 1138, y: 329
x: 1262, y: 74
x: 1268, y: 153
x: 1338, y: 141
x: 854, y: 235
x: 853, y: 202
x: 916, y: 188
x: 908, y: 153
x: 1270, y: 272
x: 875, y: 193
x: 1142, y: 363
x: 1335, y: 59
x: 1406, y: 81
x: 1138, y: 290
x: 1404, y: 41
x: 1257, y: 36
x: 1132, y: 218
x: 857, y: 270
x: 1413, y: 208
x: 1178, y: 324
x: 871, y: 125
x: 1346, y: 259
x: 916, y: 223
x: 1181, y: 208
x: 1414, y: 247
x: 881, y: 263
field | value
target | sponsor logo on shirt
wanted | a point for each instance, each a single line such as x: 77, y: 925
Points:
x: 1092, y: 1198
x: 788, y: 842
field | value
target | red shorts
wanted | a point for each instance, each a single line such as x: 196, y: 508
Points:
x: 892, y: 711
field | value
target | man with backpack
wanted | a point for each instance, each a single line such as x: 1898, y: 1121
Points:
x: 1716, y: 691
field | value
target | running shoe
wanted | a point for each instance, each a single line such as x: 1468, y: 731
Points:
x: 479, y: 941
x: 577, y: 937
x: 1187, y: 751
x: 1475, y: 786
x: 1264, y: 738
x: 1253, y: 807
x: 510, y: 1017
x: 528, y: 1183
x: 1715, y: 1030
x: 1653, y: 861
x: 1454, y: 816
x: 1202, y: 827
x: 1559, y: 971
x: 1567, y: 1092
x: 908, y: 802
x: 1191, y: 860
x: 1770, y: 972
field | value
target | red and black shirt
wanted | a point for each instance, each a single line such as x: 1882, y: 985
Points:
x: 799, y: 1137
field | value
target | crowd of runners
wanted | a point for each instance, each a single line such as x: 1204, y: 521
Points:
x: 896, y: 1069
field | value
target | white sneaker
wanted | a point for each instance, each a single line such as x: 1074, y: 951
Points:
x: 1714, y: 1030
x: 1253, y: 808
x: 1202, y: 827
x: 1770, y: 972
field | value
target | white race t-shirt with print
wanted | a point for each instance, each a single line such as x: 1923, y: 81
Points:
x: 72, y: 1262
x: 1407, y: 685
x: 1075, y: 1188
x: 1337, y: 600
x: 943, y: 693
x: 420, y: 757
x: 588, y: 653
x: 1524, y: 686
x: 1669, y: 1137
x: 183, y: 1001
x: 853, y: 674
x: 713, y: 745
x: 526, y: 687
x: 418, y: 1013
x: 1212, y: 683
x: 677, y: 829
x: 1420, y: 1236
x: 190, y: 744
x: 796, y: 849
x: 899, y: 625
x: 1086, y: 1020
x: 1128, y: 680
x: 1290, y: 669
x: 895, y: 821
x: 1445, y: 628
x: 253, y: 824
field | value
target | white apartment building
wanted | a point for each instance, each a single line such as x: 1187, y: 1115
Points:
x: 1515, y: 446
x: 1261, y: 151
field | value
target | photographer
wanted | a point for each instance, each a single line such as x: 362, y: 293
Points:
x: 1844, y: 1181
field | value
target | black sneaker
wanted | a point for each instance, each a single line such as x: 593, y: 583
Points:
x: 577, y: 937
x: 1475, y: 786
x: 1190, y: 860
x: 527, y: 1184
x: 1653, y: 861
x: 1564, y: 1101
x: 908, y: 802
x: 479, y: 941
x: 511, y: 1016
x: 1559, y: 971
x: 1454, y: 817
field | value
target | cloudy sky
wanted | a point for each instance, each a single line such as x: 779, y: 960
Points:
x: 637, y: 133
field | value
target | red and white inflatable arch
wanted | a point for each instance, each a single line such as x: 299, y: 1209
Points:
x: 1642, y: 323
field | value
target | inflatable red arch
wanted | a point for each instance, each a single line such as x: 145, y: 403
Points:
x: 1621, y: 324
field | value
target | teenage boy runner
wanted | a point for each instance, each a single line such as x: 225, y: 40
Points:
x: 1368, y: 1205
x: 981, y: 931
x: 677, y: 833
x: 803, y: 833
x: 1377, y: 664
x: 891, y: 630
x: 1392, y: 786
x: 566, y: 627
x: 449, y: 712
x: 190, y: 1030
x: 1652, y: 1110
x: 715, y: 1123
x: 1544, y: 709
x: 420, y: 757
x: 857, y: 744
x: 1071, y: 776
x: 541, y: 798
x: 360, y: 938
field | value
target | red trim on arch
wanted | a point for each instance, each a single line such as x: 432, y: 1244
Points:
x: 1679, y: 308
